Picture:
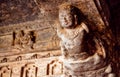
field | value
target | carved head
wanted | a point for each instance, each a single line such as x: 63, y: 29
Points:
x: 67, y: 15
x: 19, y: 34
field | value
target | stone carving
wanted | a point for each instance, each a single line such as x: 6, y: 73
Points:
x: 5, y: 72
x: 72, y: 33
x: 55, y: 67
x: 19, y: 58
x: 34, y: 56
x: 81, y: 49
x: 4, y: 60
x: 23, y: 39
x: 29, y: 70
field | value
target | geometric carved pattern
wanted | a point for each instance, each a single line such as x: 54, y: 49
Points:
x: 30, y: 70
x: 5, y: 72
x: 55, y: 67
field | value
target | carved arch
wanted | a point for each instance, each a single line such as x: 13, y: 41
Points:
x: 5, y: 71
x: 55, y: 67
x: 29, y: 70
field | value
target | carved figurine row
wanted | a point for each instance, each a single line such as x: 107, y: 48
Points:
x: 55, y: 67
x: 29, y: 57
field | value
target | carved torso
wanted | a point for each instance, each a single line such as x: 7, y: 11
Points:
x: 72, y: 42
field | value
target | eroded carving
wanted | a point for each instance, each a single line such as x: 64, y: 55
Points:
x: 55, y: 67
x: 24, y: 39
x: 81, y: 49
x: 34, y: 56
x: 19, y: 58
x: 30, y: 70
x: 4, y: 60
x: 72, y: 33
x: 5, y: 72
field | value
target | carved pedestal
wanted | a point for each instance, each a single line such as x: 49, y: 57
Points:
x: 93, y: 66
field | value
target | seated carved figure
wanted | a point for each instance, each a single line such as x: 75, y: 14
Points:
x: 80, y: 49
x: 72, y: 33
x: 23, y: 40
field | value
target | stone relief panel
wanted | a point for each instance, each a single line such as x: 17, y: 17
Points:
x: 23, y: 40
x: 27, y: 39
x: 30, y: 70
x: 31, y: 65
x: 55, y: 67
x: 5, y: 71
x: 29, y: 56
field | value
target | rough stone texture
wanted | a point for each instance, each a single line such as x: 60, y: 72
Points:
x: 76, y: 47
x: 14, y: 11
x: 36, y: 17
x: 114, y: 7
x: 41, y: 64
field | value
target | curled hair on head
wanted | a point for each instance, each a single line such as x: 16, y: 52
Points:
x: 73, y: 10
x: 67, y: 6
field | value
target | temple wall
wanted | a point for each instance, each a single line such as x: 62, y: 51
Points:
x: 37, y: 48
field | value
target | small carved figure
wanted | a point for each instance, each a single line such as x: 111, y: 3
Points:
x: 19, y: 58
x: 23, y: 40
x: 4, y: 60
x: 17, y: 39
x: 5, y: 72
x: 30, y: 70
x: 27, y: 41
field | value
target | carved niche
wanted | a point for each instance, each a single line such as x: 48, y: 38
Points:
x: 55, y: 67
x: 30, y: 70
x: 4, y: 60
x: 5, y: 72
x: 23, y: 39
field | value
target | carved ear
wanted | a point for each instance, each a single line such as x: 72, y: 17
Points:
x: 85, y: 27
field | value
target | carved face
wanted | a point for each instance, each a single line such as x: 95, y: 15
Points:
x: 66, y: 19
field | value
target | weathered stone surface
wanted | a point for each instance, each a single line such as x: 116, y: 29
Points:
x: 14, y: 11
x: 80, y: 42
x: 44, y: 21
x: 40, y: 64
x: 40, y: 54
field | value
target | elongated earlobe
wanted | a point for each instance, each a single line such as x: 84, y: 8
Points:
x: 76, y: 19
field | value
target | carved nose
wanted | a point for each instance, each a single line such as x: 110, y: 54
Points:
x: 65, y: 19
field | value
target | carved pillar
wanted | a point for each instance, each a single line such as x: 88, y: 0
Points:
x: 55, y: 67
x: 29, y: 70
x: 5, y: 72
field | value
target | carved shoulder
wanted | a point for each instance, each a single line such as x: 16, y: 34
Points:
x: 84, y: 26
